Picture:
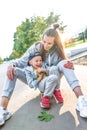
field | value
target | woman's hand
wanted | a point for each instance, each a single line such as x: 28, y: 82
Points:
x: 10, y: 72
x: 69, y: 65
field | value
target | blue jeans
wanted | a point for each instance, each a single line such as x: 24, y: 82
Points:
x: 9, y: 85
x: 69, y: 74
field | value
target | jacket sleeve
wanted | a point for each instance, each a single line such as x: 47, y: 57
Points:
x: 31, y: 78
x: 23, y: 61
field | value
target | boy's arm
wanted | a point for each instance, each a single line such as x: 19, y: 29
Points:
x: 31, y: 80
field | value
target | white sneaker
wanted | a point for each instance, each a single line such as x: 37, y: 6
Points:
x: 82, y: 106
x: 4, y: 115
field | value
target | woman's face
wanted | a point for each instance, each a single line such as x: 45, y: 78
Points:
x: 48, y: 42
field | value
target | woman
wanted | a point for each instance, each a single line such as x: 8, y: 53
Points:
x: 53, y: 54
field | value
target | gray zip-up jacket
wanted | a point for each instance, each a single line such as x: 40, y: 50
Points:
x: 31, y: 76
x: 52, y: 57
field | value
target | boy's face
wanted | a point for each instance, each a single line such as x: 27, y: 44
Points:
x: 36, y: 62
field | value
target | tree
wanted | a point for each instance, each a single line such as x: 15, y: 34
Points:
x: 52, y: 18
x: 30, y: 31
x: 86, y: 33
x: 1, y: 61
x: 27, y: 33
x: 81, y: 36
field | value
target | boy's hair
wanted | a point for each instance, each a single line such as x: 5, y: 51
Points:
x: 34, y: 55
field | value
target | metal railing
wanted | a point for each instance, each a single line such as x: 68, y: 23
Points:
x: 77, y: 51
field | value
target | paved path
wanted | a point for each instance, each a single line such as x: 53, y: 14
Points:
x: 25, y: 106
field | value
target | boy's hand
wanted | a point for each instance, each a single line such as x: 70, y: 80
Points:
x: 42, y: 70
x: 40, y: 76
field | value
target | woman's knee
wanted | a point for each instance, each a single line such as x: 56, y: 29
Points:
x: 66, y: 64
x: 62, y: 63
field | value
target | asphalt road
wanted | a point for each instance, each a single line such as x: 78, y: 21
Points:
x: 26, y: 108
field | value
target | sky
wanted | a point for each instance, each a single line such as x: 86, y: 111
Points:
x: 14, y: 12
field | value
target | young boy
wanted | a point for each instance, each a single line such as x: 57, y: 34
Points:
x: 46, y: 81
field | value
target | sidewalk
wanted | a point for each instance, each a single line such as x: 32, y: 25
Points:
x: 27, y: 109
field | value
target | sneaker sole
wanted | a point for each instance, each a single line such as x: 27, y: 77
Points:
x: 56, y: 99
x: 77, y: 108
x: 10, y: 115
x: 44, y: 106
x: 2, y: 123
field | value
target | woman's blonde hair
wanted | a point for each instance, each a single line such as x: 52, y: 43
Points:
x: 52, y: 32
x: 41, y: 51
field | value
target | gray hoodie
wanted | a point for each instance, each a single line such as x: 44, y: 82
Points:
x: 52, y: 57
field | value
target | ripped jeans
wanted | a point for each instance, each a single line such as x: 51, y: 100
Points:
x: 69, y: 74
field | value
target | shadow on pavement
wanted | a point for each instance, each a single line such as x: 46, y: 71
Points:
x: 25, y: 118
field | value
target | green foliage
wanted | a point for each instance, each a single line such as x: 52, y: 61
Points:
x: 52, y: 18
x: 44, y: 116
x: 7, y: 59
x: 30, y: 31
x: 1, y: 60
x: 86, y: 33
x: 14, y: 55
x: 83, y: 35
x: 74, y: 44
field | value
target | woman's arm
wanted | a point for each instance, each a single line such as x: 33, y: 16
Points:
x: 23, y: 61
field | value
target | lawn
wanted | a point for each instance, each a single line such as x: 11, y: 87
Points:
x: 75, y: 43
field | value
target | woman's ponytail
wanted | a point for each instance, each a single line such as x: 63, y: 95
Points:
x: 55, y: 26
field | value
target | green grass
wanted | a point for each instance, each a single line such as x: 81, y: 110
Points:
x: 75, y: 43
